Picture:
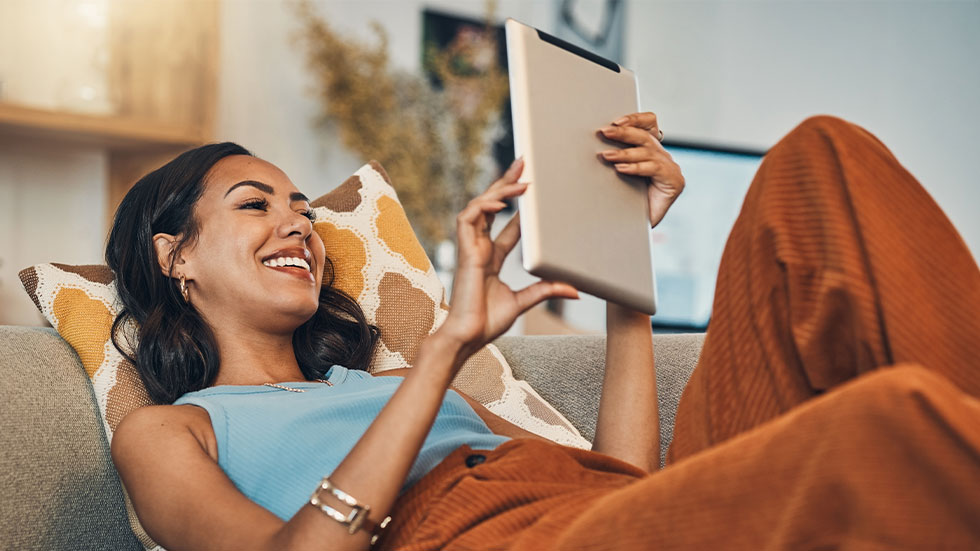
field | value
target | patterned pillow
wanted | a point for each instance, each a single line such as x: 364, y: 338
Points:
x: 377, y: 260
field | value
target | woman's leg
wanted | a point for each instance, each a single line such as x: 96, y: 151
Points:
x: 888, y: 461
x: 839, y: 263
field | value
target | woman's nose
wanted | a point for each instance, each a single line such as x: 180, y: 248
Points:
x: 296, y: 223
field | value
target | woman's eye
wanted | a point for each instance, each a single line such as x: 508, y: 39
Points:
x: 259, y: 204
x: 310, y: 215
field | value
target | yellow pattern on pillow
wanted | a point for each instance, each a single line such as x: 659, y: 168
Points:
x: 85, y: 323
x: 345, y: 249
x: 395, y: 231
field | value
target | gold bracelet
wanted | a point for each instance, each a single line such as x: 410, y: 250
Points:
x: 358, y: 516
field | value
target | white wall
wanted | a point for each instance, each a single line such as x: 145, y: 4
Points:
x: 266, y: 102
x: 52, y: 209
x: 742, y: 73
x: 747, y: 72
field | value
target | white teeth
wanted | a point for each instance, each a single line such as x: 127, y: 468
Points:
x: 288, y: 261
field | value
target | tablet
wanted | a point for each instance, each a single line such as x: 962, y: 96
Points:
x: 581, y: 221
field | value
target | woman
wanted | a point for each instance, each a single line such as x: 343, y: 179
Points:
x: 235, y: 335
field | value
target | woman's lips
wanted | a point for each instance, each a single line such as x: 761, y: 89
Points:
x: 294, y: 271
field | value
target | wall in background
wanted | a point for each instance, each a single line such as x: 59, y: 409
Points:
x: 738, y: 73
x: 265, y: 98
x: 741, y: 73
x: 746, y: 72
x: 52, y: 209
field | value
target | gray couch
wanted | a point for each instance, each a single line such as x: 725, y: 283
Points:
x: 60, y: 490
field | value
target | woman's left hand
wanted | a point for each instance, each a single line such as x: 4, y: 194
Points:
x: 647, y: 158
x: 483, y: 307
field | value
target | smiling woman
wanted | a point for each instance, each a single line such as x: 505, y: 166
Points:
x: 218, y: 264
x: 215, y: 218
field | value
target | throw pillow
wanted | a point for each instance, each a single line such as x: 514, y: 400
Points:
x: 379, y: 261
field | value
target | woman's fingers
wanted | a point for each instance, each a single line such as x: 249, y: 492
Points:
x: 642, y: 168
x: 630, y: 154
x: 509, y: 176
x: 537, y: 292
x: 475, y: 220
x: 645, y: 120
x: 505, y: 242
x: 630, y: 135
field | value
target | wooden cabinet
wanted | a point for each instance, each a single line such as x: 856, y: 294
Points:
x: 162, y: 81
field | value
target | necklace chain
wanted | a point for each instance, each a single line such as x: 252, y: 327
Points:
x: 281, y: 387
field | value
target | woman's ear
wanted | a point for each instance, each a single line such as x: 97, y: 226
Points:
x: 164, y: 244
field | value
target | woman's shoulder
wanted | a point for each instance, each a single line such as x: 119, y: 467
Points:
x: 152, y: 427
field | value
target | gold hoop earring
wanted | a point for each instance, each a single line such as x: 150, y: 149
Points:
x: 183, y: 289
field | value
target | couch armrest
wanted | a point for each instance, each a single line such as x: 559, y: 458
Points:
x: 60, y: 488
x: 567, y: 371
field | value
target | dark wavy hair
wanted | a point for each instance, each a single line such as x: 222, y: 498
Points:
x: 175, y: 350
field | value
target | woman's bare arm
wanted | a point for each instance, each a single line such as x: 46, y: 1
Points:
x: 628, y: 427
x: 167, y: 461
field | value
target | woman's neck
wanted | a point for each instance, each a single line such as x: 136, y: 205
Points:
x: 250, y: 357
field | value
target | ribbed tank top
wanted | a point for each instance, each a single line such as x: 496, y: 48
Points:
x: 276, y: 445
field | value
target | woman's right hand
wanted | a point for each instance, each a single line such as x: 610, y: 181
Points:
x: 482, y: 306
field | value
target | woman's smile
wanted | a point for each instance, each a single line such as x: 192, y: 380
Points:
x: 293, y: 261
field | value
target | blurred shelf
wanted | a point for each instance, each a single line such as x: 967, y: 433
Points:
x: 117, y: 134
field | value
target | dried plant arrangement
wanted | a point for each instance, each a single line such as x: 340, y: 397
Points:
x: 433, y: 138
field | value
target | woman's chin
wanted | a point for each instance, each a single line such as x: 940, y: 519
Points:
x: 287, y: 317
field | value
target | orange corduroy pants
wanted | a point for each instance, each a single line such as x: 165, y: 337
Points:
x: 835, y: 404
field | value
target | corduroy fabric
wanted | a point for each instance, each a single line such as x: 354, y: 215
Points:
x: 889, y: 461
x: 838, y: 263
x: 521, y: 496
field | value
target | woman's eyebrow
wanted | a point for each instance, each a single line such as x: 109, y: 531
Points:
x: 295, y: 196
x: 258, y: 185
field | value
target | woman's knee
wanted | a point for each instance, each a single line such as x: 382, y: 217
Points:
x: 895, y: 393
x: 825, y: 131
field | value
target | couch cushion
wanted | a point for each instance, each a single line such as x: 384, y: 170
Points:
x: 60, y: 489
x: 567, y: 371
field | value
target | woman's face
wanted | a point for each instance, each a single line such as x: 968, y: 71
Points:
x: 256, y: 260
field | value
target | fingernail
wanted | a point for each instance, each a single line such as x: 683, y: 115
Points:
x: 607, y: 129
x: 621, y: 166
x: 606, y: 154
x: 621, y: 120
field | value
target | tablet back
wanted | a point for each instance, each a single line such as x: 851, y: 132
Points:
x: 581, y: 221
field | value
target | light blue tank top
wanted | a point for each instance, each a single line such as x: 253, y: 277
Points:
x: 276, y: 445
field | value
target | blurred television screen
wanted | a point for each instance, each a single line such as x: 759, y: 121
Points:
x: 688, y: 242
